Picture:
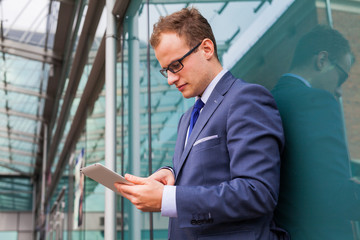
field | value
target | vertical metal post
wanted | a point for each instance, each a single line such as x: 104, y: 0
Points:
x: 34, y: 209
x: 151, y: 219
x: 122, y: 131
x: 70, y: 196
x: 43, y: 183
x: 110, y: 118
x: 328, y: 11
x: 134, y: 117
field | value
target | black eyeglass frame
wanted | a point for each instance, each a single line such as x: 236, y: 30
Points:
x: 342, y: 70
x: 163, y: 71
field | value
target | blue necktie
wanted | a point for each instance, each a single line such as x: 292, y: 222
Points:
x: 195, y: 114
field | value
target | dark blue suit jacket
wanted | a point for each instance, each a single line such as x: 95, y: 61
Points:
x: 317, y: 199
x: 227, y: 176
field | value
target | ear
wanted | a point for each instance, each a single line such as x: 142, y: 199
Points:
x: 208, y: 48
x: 321, y: 60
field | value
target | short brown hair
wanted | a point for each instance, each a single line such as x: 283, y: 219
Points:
x: 188, y: 23
x: 320, y: 38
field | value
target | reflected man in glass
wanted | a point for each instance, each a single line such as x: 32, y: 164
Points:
x: 317, y: 198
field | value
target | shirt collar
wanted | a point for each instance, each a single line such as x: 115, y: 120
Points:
x: 205, y: 96
x: 298, y: 77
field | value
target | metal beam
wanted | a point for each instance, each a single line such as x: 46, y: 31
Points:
x: 110, y: 118
x: 351, y: 6
x: 69, y: 19
x: 20, y: 152
x: 134, y: 116
x: 12, y: 88
x: 20, y: 133
x: 22, y: 173
x: 21, y: 114
x: 92, y: 89
x: 16, y: 194
x: 29, y: 51
x: 12, y: 175
x: 68, y: 22
x: 17, y: 138
x: 91, y: 22
x: 16, y: 162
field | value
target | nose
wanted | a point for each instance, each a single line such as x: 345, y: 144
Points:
x: 172, y: 78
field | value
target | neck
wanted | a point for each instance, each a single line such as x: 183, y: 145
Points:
x: 216, y: 69
x: 211, y: 75
x: 304, y: 73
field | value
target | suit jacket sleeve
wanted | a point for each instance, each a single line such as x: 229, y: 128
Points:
x: 250, y: 142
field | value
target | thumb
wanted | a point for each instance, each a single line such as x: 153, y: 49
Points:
x: 134, y: 179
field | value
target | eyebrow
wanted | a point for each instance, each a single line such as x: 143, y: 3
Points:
x: 172, y: 61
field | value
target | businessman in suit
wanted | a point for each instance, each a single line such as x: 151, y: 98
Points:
x: 317, y: 197
x: 224, y: 181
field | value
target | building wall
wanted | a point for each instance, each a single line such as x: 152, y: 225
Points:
x: 16, y: 225
x: 348, y: 23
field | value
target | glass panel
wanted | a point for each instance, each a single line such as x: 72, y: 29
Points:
x: 257, y: 45
x: 15, y: 194
x: 320, y: 169
x: 8, y: 235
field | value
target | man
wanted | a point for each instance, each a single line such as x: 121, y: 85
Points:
x: 226, y: 167
x: 317, y: 197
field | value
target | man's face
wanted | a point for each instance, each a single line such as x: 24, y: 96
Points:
x: 192, y: 79
x: 343, y: 69
x: 334, y: 75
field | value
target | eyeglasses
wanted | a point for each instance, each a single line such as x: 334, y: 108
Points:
x: 344, y: 74
x: 176, y: 66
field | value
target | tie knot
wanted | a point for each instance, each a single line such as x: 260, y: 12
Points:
x: 198, y: 104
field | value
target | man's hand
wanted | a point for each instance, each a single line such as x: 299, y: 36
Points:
x: 146, y: 194
x: 165, y: 176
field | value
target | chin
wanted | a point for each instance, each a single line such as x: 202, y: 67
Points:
x: 187, y: 95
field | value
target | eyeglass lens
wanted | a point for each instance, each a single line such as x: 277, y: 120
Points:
x: 344, y: 74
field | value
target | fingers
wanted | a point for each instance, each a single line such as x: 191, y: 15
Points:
x: 170, y: 180
x: 124, y: 189
x: 128, y: 192
x: 136, y: 180
x: 165, y: 176
x: 145, y: 194
x: 145, y: 197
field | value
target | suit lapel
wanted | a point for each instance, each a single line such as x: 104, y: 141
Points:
x: 180, y: 142
x: 211, y: 105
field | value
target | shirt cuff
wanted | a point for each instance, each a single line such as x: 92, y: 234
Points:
x: 168, y: 203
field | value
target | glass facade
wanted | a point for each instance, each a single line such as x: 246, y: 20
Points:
x: 256, y: 42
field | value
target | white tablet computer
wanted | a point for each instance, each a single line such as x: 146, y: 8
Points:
x: 104, y: 176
